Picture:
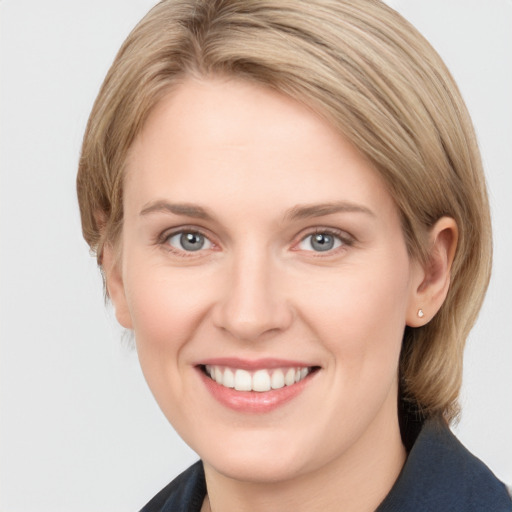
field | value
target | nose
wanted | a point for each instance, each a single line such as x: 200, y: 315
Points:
x: 253, y: 301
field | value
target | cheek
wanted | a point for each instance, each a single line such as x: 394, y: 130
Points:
x: 167, y: 306
x: 360, y: 323
x: 359, y: 313
x: 162, y: 299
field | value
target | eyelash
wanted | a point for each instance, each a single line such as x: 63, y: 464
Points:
x: 345, y: 239
x: 163, y: 241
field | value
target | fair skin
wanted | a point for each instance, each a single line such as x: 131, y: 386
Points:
x: 256, y: 238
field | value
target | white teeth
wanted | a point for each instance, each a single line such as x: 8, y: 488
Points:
x: 260, y: 381
x: 218, y: 375
x: 289, y: 378
x: 229, y: 378
x: 243, y: 380
x: 277, y: 381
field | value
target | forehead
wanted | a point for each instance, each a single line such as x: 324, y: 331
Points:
x: 221, y: 141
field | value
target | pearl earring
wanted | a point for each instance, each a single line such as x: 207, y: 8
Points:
x: 420, y: 313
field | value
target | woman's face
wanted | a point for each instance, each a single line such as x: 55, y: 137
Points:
x: 259, y: 246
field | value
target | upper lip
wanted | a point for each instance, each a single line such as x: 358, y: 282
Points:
x: 254, y: 364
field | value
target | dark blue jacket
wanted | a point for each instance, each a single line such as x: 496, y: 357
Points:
x: 440, y: 475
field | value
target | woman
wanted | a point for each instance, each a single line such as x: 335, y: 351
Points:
x: 287, y: 202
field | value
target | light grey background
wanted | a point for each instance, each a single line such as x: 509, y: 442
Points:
x: 79, y: 430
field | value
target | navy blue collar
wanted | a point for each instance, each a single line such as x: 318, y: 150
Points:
x: 440, y: 475
x: 185, y: 493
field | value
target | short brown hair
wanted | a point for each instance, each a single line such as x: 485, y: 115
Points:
x: 369, y: 73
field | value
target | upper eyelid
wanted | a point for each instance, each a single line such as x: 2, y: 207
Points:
x: 215, y: 235
x: 339, y: 233
x: 343, y: 235
x: 168, y: 233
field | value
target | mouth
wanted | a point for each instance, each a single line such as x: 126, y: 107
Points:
x: 261, y: 380
x: 256, y: 386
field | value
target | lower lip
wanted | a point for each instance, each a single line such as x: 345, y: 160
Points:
x: 254, y: 401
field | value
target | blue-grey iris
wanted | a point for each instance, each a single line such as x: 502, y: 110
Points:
x: 192, y: 241
x: 322, y: 242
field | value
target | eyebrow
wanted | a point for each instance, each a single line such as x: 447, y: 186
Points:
x: 187, y: 209
x: 318, y: 210
x: 296, y: 213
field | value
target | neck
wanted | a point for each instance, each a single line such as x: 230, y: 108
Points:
x: 357, y: 481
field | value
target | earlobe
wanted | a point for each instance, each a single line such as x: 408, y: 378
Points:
x: 115, y: 286
x: 433, y: 281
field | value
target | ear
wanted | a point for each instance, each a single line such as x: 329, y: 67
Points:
x: 115, y: 286
x: 432, y: 280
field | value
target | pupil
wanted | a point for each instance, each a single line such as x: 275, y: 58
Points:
x: 192, y: 241
x: 322, y: 242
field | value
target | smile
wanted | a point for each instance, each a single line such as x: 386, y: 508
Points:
x: 256, y: 386
x: 261, y: 380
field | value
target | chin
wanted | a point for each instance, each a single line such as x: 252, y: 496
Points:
x: 262, y: 458
x: 256, y: 469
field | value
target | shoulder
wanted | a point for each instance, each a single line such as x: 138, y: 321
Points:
x: 441, y: 475
x: 184, y: 494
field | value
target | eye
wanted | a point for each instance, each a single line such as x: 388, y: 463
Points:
x: 189, y: 241
x: 320, y: 242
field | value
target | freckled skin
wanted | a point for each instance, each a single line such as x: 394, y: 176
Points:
x: 258, y: 289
